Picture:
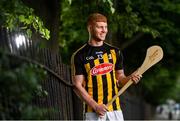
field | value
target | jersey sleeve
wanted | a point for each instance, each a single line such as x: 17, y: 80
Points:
x: 119, y: 61
x: 78, y: 65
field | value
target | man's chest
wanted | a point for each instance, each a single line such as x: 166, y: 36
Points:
x: 100, y: 62
x: 99, y: 56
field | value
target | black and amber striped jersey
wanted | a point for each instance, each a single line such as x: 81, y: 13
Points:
x: 98, y: 64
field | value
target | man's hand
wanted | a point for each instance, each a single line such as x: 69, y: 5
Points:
x: 135, y: 77
x: 101, y: 109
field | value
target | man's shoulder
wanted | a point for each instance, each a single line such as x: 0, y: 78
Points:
x: 111, y: 46
x: 80, y: 49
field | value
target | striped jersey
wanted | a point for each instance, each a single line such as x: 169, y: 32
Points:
x: 98, y: 65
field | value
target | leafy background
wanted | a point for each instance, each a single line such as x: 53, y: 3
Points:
x: 134, y: 25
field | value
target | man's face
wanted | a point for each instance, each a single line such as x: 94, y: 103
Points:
x: 99, y: 31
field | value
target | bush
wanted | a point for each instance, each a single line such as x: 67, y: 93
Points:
x: 19, y: 85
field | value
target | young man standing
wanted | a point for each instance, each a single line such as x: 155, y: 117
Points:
x: 97, y: 71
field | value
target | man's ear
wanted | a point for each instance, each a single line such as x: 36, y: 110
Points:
x: 89, y: 28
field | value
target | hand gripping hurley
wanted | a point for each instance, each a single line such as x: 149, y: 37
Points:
x: 153, y: 55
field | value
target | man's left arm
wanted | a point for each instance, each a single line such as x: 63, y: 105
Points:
x: 122, y: 79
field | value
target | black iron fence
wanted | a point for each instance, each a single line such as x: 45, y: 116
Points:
x: 61, y: 97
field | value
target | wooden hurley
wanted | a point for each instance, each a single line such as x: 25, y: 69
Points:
x: 153, y: 55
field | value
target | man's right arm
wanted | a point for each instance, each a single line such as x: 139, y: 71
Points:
x: 83, y: 94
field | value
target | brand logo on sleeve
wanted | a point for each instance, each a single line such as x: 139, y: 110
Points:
x: 101, y: 69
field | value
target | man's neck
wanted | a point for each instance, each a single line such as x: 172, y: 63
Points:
x: 95, y: 43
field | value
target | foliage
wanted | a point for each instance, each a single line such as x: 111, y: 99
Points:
x: 129, y: 21
x: 14, y: 14
x: 19, y: 85
x: 163, y: 16
x: 160, y: 85
x: 157, y: 21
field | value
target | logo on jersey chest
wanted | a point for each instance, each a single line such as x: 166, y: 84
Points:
x: 99, y: 56
x: 101, y: 69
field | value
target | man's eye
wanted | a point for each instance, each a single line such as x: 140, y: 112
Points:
x: 100, y: 26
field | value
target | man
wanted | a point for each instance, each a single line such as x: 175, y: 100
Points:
x: 97, y: 72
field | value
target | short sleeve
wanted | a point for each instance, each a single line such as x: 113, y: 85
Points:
x: 77, y: 65
x: 119, y: 61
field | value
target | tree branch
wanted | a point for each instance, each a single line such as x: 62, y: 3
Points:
x: 128, y: 43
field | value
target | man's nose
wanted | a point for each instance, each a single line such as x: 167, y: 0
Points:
x: 104, y: 29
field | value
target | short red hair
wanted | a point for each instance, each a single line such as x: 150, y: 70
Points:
x: 96, y: 17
